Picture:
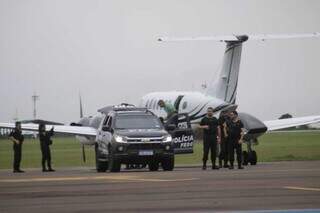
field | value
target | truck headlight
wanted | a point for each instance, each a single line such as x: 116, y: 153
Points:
x: 167, y: 138
x: 119, y: 139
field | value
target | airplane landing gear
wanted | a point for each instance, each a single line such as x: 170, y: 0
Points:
x: 250, y: 156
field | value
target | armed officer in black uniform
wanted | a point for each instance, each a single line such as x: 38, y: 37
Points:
x: 223, y: 156
x: 17, y: 139
x: 45, y: 142
x: 235, y: 134
x: 211, y: 136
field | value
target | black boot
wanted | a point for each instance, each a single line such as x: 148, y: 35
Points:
x: 225, y: 165
x: 204, y: 166
x: 214, y: 165
x: 231, y: 166
x: 240, y: 166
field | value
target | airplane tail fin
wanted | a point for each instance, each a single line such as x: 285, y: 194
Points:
x: 225, y: 87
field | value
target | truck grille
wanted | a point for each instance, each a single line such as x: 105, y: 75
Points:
x: 144, y: 146
x: 145, y: 140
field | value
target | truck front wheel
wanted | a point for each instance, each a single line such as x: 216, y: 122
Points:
x: 114, y: 165
x: 153, y: 166
x: 168, y: 164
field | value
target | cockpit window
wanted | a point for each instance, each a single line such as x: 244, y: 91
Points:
x: 137, y: 122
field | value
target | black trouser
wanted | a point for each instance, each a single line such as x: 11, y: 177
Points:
x: 234, y: 145
x: 209, y: 144
x: 17, y: 149
x: 46, y: 156
x: 223, y: 151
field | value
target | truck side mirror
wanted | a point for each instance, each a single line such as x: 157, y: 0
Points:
x: 171, y: 127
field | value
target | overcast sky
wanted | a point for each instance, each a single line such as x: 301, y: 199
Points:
x: 107, y: 51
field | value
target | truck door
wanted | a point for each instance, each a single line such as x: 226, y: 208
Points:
x: 105, y: 131
x: 183, y: 136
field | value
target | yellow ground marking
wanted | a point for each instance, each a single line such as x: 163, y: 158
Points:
x: 111, y: 178
x: 302, y: 188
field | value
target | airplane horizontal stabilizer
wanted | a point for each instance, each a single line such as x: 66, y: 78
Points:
x: 291, y: 122
x: 241, y: 37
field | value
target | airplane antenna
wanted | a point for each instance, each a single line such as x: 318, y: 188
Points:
x: 35, y: 97
x: 81, y: 107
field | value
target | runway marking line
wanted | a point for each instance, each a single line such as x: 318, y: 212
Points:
x: 302, y: 188
x: 114, y: 178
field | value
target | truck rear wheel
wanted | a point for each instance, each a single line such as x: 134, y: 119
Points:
x: 168, y: 164
x: 101, y: 166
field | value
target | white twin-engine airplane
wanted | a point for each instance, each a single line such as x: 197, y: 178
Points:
x: 221, y: 95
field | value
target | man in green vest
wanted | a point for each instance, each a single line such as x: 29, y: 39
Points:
x: 172, y: 115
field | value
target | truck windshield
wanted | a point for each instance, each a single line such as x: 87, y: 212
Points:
x: 137, y: 122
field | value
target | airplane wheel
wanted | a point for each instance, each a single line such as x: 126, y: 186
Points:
x: 245, y: 158
x: 154, y: 166
x: 168, y: 164
x: 253, y: 158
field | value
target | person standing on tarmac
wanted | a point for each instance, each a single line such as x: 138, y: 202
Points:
x: 223, y: 156
x: 17, y: 139
x: 235, y: 134
x: 211, y: 137
x: 45, y: 142
x: 172, y: 115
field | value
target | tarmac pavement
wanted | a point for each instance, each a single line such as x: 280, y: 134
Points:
x: 269, y: 186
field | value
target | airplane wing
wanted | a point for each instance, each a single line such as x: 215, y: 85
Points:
x: 39, y: 121
x: 291, y: 122
x: 72, y: 130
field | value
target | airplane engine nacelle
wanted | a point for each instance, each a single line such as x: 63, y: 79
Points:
x: 85, y: 140
x: 253, y: 125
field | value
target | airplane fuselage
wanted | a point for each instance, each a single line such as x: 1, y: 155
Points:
x: 193, y: 103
